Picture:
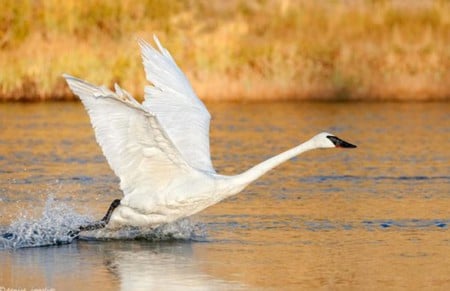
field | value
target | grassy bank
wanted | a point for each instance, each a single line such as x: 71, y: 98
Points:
x: 371, y: 50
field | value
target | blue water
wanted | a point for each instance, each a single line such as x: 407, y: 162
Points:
x: 371, y: 218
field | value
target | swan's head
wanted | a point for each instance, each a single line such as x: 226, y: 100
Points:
x: 328, y: 140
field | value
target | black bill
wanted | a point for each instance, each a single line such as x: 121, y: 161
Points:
x: 339, y: 143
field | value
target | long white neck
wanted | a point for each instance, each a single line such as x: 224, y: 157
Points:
x: 242, y: 180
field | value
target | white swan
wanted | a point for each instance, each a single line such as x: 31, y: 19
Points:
x: 160, y: 149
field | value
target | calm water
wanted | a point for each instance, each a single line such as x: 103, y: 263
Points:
x: 373, y: 218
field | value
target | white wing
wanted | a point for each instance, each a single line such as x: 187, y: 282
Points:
x: 183, y: 116
x: 136, y: 147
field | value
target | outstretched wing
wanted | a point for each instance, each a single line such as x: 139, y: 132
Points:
x: 133, y: 142
x: 183, y: 116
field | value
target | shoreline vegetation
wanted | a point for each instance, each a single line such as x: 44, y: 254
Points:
x: 232, y: 50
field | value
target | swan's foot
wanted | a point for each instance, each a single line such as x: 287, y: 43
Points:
x: 93, y: 226
x: 97, y: 224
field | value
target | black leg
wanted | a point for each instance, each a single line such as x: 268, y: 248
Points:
x: 98, y: 224
x: 113, y: 206
x: 95, y: 225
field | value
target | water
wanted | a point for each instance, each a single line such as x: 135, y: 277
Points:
x: 366, y: 219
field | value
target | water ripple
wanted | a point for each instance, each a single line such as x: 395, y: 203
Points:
x: 317, y: 179
x: 228, y: 223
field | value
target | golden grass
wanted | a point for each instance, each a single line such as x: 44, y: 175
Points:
x: 232, y: 50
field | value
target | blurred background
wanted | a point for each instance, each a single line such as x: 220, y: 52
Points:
x: 232, y: 50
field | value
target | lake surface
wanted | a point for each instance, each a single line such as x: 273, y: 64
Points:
x: 373, y: 218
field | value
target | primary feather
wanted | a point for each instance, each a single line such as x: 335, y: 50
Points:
x: 182, y: 114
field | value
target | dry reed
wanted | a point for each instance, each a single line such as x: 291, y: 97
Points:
x: 232, y: 50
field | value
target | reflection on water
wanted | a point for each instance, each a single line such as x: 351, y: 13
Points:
x: 371, y: 218
x: 130, y: 265
x: 160, y: 266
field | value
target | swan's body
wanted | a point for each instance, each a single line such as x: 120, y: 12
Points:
x: 160, y: 149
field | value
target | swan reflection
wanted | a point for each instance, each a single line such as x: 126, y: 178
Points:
x: 161, y: 266
x: 111, y: 265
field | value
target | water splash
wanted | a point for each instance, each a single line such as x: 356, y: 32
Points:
x: 58, y: 221
x: 52, y: 228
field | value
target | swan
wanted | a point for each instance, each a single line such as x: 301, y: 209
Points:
x: 159, y: 149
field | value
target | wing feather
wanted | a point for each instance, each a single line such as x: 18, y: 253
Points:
x: 182, y: 114
x: 132, y: 140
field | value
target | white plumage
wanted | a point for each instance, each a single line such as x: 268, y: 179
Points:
x: 160, y: 149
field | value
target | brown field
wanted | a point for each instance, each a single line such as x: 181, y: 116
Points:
x: 232, y: 50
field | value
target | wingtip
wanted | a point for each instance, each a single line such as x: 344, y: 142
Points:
x: 158, y: 43
x: 71, y: 80
x: 66, y: 76
x: 156, y: 39
x: 142, y: 43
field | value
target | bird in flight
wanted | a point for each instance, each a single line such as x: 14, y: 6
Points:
x: 159, y: 149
